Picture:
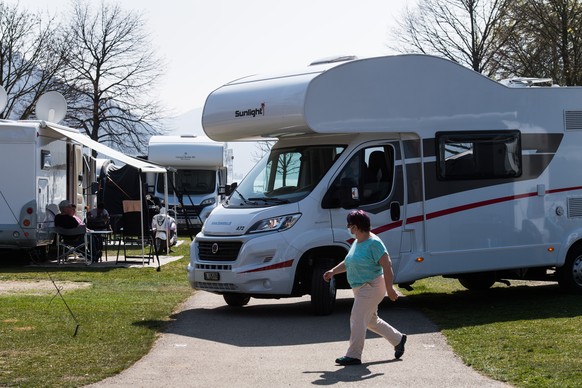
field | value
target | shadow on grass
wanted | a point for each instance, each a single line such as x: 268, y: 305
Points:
x: 500, y: 304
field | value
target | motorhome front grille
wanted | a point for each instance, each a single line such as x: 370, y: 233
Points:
x: 215, y: 267
x: 573, y: 120
x: 575, y: 207
x: 218, y: 250
x: 215, y: 286
x: 192, y: 212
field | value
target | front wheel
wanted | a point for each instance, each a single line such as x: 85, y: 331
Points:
x: 570, y: 275
x: 322, y: 293
x: 236, y: 300
x: 477, y: 281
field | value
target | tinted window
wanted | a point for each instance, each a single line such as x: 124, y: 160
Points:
x: 478, y: 155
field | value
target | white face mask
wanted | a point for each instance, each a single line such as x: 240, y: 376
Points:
x: 350, y: 231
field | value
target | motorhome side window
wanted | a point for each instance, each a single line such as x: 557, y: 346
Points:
x: 367, y: 178
x: 478, y: 155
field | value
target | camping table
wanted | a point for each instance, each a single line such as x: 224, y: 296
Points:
x: 103, y: 234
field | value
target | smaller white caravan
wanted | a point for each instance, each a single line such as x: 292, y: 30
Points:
x: 462, y: 176
x: 41, y: 164
x: 40, y: 167
x: 197, y: 179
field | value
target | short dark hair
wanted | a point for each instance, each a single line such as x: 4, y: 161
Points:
x: 360, y: 219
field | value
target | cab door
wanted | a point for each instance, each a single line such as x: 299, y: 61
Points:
x: 371, y: 179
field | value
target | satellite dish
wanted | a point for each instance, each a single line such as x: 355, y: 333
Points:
x: 52, y: 107
x: 3, y: 98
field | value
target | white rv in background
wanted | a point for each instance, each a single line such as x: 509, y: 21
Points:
x: 197, y: 178
x: 462, y: 176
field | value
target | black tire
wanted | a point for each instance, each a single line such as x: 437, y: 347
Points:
x: 236, y: 300
x: 570, y: 275
x: 477, y: 281
x: 323, y: 293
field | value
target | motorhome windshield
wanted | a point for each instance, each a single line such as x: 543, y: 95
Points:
x: 193, y: 182
x: 285, y: 175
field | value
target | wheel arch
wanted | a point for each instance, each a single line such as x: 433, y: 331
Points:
x: 329, y: 255
x: 573, y: 241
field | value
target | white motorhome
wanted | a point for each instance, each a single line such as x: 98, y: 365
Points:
x: 200, y: 168
x: 461, y: 175
x: 42, y: 163
x: 39, y: 167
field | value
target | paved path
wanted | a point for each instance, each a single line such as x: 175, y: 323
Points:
x: 278, y: 343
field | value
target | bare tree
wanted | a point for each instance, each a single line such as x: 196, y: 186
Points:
x: 113, y: 70
x: 263, y: 147
x: 32, y: 53
x: 465, y: 31
x: 548, y: 42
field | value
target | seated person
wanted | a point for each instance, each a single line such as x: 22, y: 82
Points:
x: 98, y: 218
x: 67, y: 219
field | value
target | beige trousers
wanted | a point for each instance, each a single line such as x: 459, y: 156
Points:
x: 365, y: 316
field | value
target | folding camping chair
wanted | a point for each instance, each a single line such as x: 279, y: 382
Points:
x: 72, y: 241
x: 132, y: 227
x: 101, y: 230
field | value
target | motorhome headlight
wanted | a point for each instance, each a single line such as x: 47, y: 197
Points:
x: 275, y: 223
x: 208, y: 201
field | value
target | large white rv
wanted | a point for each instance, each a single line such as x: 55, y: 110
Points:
x: 462, y: 176
x: 200, y: 168
x: 39, y: 167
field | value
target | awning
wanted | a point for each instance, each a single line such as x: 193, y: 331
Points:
x: 143, y: 165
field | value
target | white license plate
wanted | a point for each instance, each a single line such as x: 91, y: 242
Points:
x: 212, y: 276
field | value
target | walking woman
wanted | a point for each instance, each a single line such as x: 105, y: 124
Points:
x: 369, y: 273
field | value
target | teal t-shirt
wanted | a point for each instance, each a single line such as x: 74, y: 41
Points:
x: 362, y: 261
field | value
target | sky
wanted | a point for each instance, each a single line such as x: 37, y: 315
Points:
x: 206, y: 44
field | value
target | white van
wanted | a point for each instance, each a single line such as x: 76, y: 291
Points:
x: 462, y: 176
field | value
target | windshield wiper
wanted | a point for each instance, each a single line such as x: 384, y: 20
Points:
x: 244, y: 199
x: 270, y: 199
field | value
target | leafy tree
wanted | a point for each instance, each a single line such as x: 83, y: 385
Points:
x: 548, y: 42
x: 112, y: 69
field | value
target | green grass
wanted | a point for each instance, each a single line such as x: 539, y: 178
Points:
x: 119, y: 317
x: 526, y: 336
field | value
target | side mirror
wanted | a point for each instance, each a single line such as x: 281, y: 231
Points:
x: 228, y: 189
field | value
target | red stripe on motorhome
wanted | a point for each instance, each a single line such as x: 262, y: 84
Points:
x: 468, y: 206
x: 284, y: 264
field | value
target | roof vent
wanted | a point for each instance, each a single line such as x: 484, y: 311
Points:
x: 341, y: 58
x: 524, y: 82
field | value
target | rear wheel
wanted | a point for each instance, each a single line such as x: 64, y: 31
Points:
x: 236, y: 300
x: 322, y: 293
x: 570, y: 275
x: 477, y: 281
